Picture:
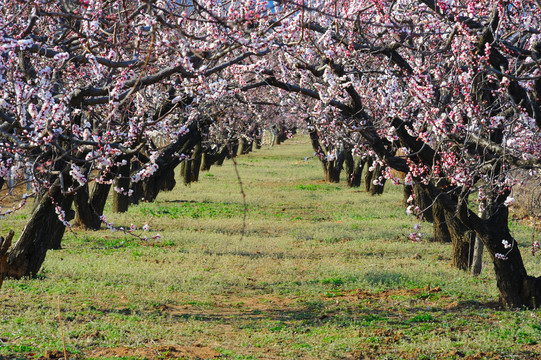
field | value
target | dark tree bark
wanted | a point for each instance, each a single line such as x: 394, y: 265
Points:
x: 368, y: 175
x: 331, y: 168
x: 233, y: 148
x: 423, y: 200
x: 354, y: 169
x: 215, y: 156
x: 5, y: 244
x: 462, y: 239
x: 373, y: 175
x: 168, y: 161
x: 334, y: 167
x: 516, y: 287
x: 245, y: 146
x: 377, y: 189
x: 190, y: 167
x: 137, y: 187
x: 258, y: 137
x: 121, y: 201
x: 281, y: 135
x: 222, y: 155
x: 89, y: 207
x: 440, y: 225
x: 43, y: 231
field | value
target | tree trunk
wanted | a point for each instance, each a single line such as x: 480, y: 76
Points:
x: 222, y: 155
x: 477, y: 262
x: 331, y: 168
x: 89, y: 208
x: 377, y: 189
x: 206, y: 161
x: 43, y: 231
x: 462, y: 239
x: 121, y: 200
x: 84, y: 214
x: 196, y: 162
x: 190, y: 167
x: 441, y: 231
x: 163, y: 178
x: 258, y: 138
x: 368, y: 176
x: 233, y: 148
x: 354, y: 169
x: 281, y: 135
x: 245, y: 146
x: 423, y: 200
x: 332, y: 171
x: 137, y: 187
x: 517, y: 289
x: 5, y: 244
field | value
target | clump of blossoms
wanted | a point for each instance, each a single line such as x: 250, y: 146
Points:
x: 506, y: 245
x: 535, y: 247
x: 416, y: 235
x: 131, y: 230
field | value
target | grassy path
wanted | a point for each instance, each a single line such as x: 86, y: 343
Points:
x: 323, y: 272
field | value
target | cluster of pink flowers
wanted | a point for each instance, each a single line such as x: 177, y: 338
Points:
x: 535, y: 247
x: 75, y: 172
x: 416, y: 235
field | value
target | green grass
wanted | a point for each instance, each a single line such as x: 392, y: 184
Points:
x: 322, y: 272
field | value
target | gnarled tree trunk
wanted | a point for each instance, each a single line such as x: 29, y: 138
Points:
x: 89, y: 207
x: 374, y: 175
x: 43, y: 231
x: 190, y: 167
x: 462, y: 239
x: 354, y: 169
x: 163, y: 178
x: 516, y: 287
x: 121, y: 200
x: 440, y: 225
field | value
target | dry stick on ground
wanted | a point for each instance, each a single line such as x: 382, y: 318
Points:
x: 62, y: 330
x: 241, y: 190
x: 4, y: 247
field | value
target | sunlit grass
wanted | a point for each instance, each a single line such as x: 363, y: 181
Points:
x: 322, y: 272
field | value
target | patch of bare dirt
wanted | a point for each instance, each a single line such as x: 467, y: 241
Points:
x: 385, y: 294
x: 232, y: 306
x: 163, y: 352
x: 57, y: 354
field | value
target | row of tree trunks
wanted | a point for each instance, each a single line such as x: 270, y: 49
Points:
x: 245, y: 146
x: 214, y: 157
x: 446, y: 226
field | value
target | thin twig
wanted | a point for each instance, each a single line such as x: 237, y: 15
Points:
x: 62, y: 330
x: 235, y: 166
